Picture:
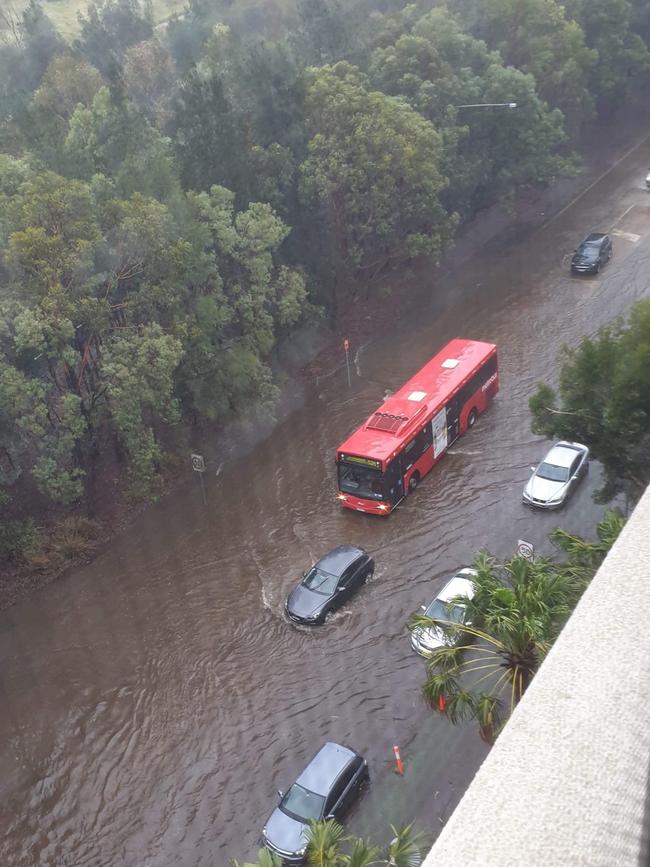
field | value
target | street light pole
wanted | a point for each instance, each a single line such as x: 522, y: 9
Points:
x: 487, y: 105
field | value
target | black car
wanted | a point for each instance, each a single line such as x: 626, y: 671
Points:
x: 329, y: 583
x: 324, y: 790
x: 592, y: 254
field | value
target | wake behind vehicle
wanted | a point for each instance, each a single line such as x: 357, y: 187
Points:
x: 385, y: 459
x: 329, y: 583
x: 324, y: 790
x: 647, y: 180
x: 554, y: 479
x: 426, y: 640
x: 594, y: 252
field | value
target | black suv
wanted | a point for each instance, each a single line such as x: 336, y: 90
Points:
x: 592, y: 254
x: 324, y: 790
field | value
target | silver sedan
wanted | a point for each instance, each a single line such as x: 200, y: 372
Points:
x: 555, y: 478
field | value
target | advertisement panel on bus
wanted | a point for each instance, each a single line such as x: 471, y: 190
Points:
x: 385, y: 459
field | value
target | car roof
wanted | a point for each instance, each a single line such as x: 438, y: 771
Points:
x: 460, y: 585
x: 325, y: 768
x: 594, y: 238
x: 335, y: 562
x: 563, y: 454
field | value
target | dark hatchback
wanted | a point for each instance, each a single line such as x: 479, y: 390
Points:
x: 324, y: 790
x: 329, y: 583
x: 592, y: 254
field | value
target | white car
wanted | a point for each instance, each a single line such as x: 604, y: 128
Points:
x: 557, y: 475
x: 426, y: 640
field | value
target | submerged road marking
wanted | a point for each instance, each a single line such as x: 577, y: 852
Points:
x: 628, y: 236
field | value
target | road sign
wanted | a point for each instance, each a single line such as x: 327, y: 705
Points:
x: 198, y: 464
x: 346, y: 344
x: 525, y: 549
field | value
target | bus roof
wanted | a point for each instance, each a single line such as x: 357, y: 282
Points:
x: 395, y: 422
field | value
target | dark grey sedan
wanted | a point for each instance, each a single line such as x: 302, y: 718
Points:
x: 329, y: 583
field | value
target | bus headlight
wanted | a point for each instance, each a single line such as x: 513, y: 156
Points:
x: 382, y: 507
x: 341, y: 497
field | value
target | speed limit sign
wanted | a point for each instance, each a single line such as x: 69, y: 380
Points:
x: 198, y: 464
x: 525, y: 549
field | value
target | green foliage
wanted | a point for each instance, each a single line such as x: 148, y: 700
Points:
x: 265, y: 858
x: 537, y: 37
x: 138, y: 369
x: 517, y: 612
x: 487, y: 153
x: 622, y: 54
x: 18, y: 540
x: 374, y: 168
x: 108, y: 29
x: 603, y: 400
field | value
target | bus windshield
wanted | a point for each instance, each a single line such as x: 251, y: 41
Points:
x: 361, y: 481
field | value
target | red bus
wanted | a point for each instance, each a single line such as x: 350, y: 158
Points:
x: 384, y: 459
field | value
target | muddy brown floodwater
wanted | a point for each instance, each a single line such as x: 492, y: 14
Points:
x: 152, y: 702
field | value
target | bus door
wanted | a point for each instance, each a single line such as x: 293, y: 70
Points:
x: 453, y: 419
x: 393, y: 482
x: 439, y: 424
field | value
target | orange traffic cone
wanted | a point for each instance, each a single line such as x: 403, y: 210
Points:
x: 399, y: 764
x: 442, y: 703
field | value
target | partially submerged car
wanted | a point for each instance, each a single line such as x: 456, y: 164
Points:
x: 592, y: 254
x: 555, y: 478
x: 425, y: 640
x: 328, y: 584
x: 324, y: 790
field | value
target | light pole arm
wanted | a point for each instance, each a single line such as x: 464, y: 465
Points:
x: 487, y: 105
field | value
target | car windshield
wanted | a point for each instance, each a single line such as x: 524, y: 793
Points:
x: 439, y: 610
x: 320, y: 582
x: 552, y: 472
x: 361, y: 481
x: 588, y: 251
x: 302, y: 804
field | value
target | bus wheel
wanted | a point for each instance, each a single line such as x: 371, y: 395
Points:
x: 413, y: 482
x: 471, y: 418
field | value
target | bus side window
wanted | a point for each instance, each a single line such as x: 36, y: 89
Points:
x: 418, y: 445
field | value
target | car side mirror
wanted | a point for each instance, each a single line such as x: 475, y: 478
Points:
x: 423, y: 607
x: 330, y: 816
x: 280, y: 794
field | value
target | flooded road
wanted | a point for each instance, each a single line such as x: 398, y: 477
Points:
x: 153, y: 702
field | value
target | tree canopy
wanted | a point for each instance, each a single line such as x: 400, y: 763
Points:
x: 603, y: 400
x: 193, y: 191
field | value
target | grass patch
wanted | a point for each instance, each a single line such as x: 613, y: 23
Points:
x: 73, y: 540
x: 63, y: 13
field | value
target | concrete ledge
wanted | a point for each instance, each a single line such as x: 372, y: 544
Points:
x: 567, y: 781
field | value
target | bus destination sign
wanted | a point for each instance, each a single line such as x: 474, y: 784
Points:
x: 366, y: 462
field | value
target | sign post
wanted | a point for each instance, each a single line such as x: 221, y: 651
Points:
x: 346, y: 346
x: 525, y: 549
x: 198, y: 465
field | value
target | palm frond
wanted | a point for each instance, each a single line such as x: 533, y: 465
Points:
x: 405, y: 849
x: 323, y: 839
x: 362, y: 854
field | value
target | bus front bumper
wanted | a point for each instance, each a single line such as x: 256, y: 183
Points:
x: 370, y: 507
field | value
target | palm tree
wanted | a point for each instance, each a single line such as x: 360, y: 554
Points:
x: 265, y: 858
x: 516, y: 613
x: 325, y: 840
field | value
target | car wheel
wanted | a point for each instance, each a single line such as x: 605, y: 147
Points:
x: 597, y: 269
x: 368, y: 576
x: 471, y: 418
